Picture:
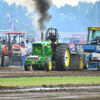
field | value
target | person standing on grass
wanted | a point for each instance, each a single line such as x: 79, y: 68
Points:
x: 23, y: 51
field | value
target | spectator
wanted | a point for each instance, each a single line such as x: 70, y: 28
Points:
x: 24, y: 52
x: 3, y: 41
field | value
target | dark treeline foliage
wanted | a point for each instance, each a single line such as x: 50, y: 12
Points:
x: 67, y: 18
x: 76, y: 18
x: 22, y: 21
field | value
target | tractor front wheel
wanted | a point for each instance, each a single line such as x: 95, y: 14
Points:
x: 62, y: 57
x: 6, y: 61
x: 48, y: 65
x: 27, y: 67
x: 2, y: 60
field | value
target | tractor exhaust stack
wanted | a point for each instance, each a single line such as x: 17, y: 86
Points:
x: 42, y: 36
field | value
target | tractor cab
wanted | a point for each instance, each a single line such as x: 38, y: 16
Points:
x: 18, y: 35
x: 14, y: 40
x: 10, y: 50
x: 93, y: 35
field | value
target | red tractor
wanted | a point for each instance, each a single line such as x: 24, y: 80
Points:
x: 9, y: 51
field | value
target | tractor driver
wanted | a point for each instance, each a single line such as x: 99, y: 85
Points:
x: 50, y: 34
x: 14, y: 41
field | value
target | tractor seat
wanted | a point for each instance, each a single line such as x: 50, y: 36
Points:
x: 97, y: 38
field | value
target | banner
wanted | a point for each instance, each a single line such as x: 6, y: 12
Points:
x: 11, y: 26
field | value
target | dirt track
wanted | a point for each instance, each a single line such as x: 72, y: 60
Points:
x: 53, y: 93
x: 17, y: 71
x: 60, y: 92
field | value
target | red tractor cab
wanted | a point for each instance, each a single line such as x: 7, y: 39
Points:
x: 10, y: 50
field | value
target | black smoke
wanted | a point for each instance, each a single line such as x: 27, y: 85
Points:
x: 42, y: 7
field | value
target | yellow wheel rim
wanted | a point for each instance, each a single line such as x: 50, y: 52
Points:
x: 50, y: 65
x: 67, y: 57
x: 28, y: 67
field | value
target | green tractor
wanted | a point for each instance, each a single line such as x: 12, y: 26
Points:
x: 49, y: 52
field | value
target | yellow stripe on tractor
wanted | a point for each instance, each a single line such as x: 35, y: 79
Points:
x: 86, y: 53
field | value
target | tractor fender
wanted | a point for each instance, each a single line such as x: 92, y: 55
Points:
x: 4, y: 49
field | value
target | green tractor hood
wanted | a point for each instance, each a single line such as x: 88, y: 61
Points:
x: 45, y: 42
x: 42, y: 48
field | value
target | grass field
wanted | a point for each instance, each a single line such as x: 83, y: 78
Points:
x: 39, y: 81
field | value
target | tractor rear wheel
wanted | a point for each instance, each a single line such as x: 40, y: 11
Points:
x: 6, y: 61
x: 98, y: 66
x: 27, y: 67
x: 0, y: 60
x: 62, y: 57
x: 48, y: 65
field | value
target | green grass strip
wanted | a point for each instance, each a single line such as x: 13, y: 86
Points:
x: 39, y: 81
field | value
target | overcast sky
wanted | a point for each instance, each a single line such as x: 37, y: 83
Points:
x: 58, y: 3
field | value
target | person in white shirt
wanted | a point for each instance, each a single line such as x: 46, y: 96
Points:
x: 24, y: 52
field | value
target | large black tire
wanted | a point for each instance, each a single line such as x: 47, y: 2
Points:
x: 48, y: 65
x: 6, y: 61
x: 62, y: 57
x: 98, y: 66
x: 2, y: 57
x: 27, y: 67
x: 2, y: 60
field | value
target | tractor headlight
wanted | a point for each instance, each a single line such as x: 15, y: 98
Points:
x: 79, y: 46
x: 56, y: 42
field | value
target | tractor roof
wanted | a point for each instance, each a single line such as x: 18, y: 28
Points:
x: 14, y: 32
x: 93, y: 28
